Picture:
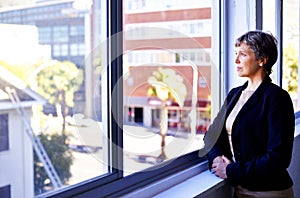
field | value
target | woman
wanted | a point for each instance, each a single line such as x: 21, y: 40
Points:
x: 255, y: 126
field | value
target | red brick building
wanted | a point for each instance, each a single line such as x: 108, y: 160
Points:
x: 164, y: 36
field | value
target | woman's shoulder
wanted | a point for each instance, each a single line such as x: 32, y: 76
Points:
x: 237, y: 89
x: 273, y: 88
x: 276, y: 93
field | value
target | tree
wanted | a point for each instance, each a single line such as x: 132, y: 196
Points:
x: 167, y: 85
x: 54, y: 143
x: 60, y: 157
x: 58, y: 83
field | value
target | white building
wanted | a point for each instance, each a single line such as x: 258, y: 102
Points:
x: 20, y: 45
x: 16, y: 151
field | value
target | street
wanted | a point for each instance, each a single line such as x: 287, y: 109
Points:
x: 142, y: 148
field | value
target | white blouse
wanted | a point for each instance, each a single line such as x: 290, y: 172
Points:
x: 231, y: 117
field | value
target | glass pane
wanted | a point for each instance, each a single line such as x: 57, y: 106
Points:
x: 290, y: 42
x: 57, y: 138
x: 269, y: 16
x: 290, y: 59
x: 167, y: 79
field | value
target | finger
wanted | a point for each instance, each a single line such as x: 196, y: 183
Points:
x: 226, y: 160
x: 214, y: 165
x: 217, y: 159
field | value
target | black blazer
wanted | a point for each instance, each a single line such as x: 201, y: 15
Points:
x: 262, y: 137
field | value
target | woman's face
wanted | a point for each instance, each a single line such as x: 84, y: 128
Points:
x: 246, y: 62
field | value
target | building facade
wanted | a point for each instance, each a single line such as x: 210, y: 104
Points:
x: 16, y: 151
x: 167, y: 34
x: 61, y: 28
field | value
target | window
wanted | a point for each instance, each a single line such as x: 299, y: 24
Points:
x: 60, y: 34
x: 288, y: 31
x: 172, y: 57
x: 165, y: 47
x: 76, y: 144
x: 174, y: 29
x: 60, y: 50
x: 77, y: 30
x: 44, y: 35
x: 290, y: 50
x: 4, y: 133
x: 101, y: 119
x: 77, y: 49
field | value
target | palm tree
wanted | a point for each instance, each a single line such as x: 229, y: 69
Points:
x: 166, y: 85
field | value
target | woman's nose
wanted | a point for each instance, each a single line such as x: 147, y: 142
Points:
x: 237, y: 59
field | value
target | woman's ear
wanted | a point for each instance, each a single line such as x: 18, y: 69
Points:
x: 263, y: 61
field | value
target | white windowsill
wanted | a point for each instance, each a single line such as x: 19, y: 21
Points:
x: 193, y: 187
x: 188, y: 183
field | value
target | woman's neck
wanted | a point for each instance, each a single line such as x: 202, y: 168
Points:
x: 253, y: 83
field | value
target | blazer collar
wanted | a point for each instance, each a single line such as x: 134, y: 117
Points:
x: 258, y: 93
x: 266, y: 81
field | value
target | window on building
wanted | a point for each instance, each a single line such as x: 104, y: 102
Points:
x: 61, y: 50
x: 77, y: 49
x: 44, y: 35
x: 172, y: 57
x: 77, y: 30
x: 173, y: 28
x: 60, y: 33
x: 4, y: 133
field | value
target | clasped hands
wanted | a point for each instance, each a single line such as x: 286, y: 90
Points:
x: 219, y: 166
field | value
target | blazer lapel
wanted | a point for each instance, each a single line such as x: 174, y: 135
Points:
x: 258, y: 93
x: 235, y: 98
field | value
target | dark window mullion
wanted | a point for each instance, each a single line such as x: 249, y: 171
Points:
x: 116, y: 72
x: 279, y: 33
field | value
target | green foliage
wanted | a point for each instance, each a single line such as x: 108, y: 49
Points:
x: 59, y: 82
x: 167, y: 84
x: 290, y: 69
x: 61, y: 158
